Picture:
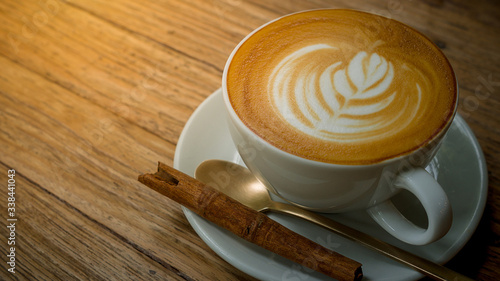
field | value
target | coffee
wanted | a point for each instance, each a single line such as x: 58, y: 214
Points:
x: 341, y: 86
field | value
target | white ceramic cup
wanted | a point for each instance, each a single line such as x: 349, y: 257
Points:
x: 334, y: 188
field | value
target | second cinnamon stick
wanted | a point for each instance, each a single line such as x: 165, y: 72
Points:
x: 249, y: 224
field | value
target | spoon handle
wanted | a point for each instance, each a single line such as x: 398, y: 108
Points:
x: 430, y: 269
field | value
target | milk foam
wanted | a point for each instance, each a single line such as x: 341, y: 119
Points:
x: 335, y: 102
x: 341, y: 86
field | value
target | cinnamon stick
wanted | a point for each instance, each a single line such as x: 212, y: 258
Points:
x: 249, y: 224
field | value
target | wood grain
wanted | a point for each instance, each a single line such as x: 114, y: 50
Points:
x: 94, y: 93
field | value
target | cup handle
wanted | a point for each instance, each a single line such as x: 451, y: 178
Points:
x: 433, y: 199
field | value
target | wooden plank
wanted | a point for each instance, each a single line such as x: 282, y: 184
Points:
x: 54, y: 241
x: 138, y: 78
x: 88, y: 161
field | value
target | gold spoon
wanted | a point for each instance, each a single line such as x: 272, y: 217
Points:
x: 240, y: 184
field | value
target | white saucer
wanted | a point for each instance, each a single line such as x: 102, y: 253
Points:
x: 459, y: 167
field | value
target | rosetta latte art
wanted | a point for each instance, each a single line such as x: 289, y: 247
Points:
x: 341, y: 101
x: 341, y: 87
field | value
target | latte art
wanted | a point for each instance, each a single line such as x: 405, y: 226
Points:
x: 340, y: 102
x: 341, y: 86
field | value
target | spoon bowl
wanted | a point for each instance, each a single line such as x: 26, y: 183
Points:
x: 240, y: 184
x: 235, y: 181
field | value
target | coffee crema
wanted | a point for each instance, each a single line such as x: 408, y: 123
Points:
x: 341, y: 86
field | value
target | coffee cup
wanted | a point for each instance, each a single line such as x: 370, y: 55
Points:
x: 339, y: 110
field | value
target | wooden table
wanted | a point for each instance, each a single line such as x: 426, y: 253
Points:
x: 94, y: 93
